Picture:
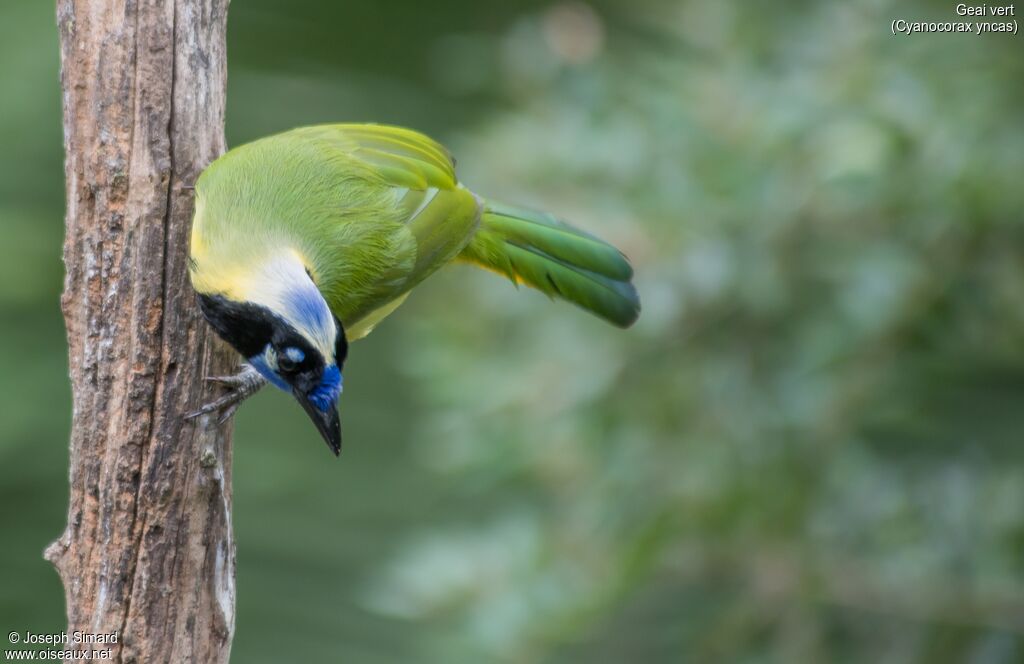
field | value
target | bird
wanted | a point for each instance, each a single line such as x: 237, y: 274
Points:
x: 303, y: 241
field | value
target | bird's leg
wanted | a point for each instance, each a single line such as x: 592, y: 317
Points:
x: 243, y: 385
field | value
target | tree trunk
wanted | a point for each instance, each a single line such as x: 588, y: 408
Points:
x: 148, y: 552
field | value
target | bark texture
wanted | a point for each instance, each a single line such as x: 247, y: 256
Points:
x: 148, y: 550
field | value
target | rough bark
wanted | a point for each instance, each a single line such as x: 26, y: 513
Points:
x: 148, y: 550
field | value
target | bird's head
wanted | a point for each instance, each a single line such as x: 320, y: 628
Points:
x: 277, y: 319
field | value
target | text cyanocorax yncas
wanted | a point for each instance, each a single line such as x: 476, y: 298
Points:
x: 305, y: 240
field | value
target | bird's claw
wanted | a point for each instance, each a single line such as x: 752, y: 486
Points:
x: 227, y: 403
x: 231, y: 381
x: 242, y: 385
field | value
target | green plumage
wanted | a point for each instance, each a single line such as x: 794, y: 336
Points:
x: 373, y: 210
x: 536, y: 249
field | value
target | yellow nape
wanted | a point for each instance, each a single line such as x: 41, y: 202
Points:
x: 210, y: 280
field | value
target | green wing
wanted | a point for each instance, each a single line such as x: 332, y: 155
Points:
x: 401, y: 157
x: 431, y: 215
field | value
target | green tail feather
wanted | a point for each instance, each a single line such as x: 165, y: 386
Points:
x: 540, y: 251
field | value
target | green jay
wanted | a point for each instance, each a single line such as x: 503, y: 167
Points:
x: 305, y: 240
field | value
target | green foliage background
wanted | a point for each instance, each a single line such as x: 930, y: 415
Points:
x: 809, y: 449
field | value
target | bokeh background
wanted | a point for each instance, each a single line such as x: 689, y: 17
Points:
x: 808, y: 449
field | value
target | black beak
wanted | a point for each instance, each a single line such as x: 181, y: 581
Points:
x: 327, y: 422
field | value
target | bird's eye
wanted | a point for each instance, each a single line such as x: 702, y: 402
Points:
x: 289, y: 359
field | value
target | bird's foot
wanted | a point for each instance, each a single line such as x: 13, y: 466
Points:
x: 243, y: 385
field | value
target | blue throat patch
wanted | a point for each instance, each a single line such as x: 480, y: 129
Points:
x: 326, y: 393
x: 323, y: 397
